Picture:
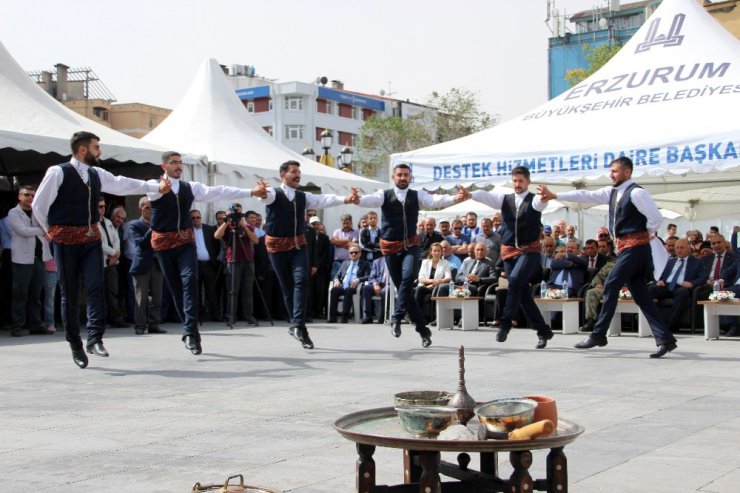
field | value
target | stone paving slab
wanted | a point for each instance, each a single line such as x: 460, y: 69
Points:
x: 155, y: 418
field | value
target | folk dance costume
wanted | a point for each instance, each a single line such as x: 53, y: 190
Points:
x: 632, y: 216
x: 520, y: 251
x: 285, y: 242
x: 173, y: 242
x: 399, y: 244
x: 66, y: 206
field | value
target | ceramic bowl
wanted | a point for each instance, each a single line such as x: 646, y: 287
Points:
x: 505, y: 415
x: 425, y: 421
x: 422, y: 398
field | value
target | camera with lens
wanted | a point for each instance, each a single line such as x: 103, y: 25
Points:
x: 233, y: 215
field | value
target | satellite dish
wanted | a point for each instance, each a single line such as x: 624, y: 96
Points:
x: 603, y: 23
x: 323, y: 81
x: 382, y: 92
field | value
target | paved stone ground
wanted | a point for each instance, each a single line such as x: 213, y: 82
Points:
x: 154, y: 418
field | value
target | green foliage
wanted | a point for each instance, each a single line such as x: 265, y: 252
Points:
x: 596, y: 58
x: 382, y: 136
x: 458, y: 114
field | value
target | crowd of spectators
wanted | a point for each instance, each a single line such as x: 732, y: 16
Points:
x: 237, y: 283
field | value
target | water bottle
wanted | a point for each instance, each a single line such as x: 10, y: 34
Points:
x: 715, y: 286
x: 543, y: 290
x: 451, y: 288
x: 466, y: 287
x: 565, y: 290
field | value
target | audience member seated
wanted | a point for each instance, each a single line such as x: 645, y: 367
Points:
x: 434, y: 271
x: 449, y: 256
x: 677, y: 281
x: 477, y: 271
x: 376, y: 285
x: 714, y: 264
x: 352, y: 272
x: 567, y: 266
x: 592, y: 297
x: 458, y: 240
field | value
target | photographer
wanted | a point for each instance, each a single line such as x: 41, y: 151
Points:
x: 238, y: 236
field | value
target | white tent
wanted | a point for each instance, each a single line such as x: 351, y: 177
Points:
x: 31, y: 120
x: 666, y: 100
x: 211, y: 120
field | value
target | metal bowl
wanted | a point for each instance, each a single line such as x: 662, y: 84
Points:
x: 422, y: 398
x: 505, y: 415
x: 425, y: 421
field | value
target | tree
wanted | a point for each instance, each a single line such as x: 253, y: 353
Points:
x: 382, y: 136
x: 458, y: 113
x: 596, y: 58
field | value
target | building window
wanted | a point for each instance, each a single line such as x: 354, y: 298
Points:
x: 269, y: 106
x: 355, y: 112
x: 101, y: 113
x: 319, y: 130
x: 331, y: 108
x: 346, y: 139
x: 293, y: 132
x: 268, y: 130
x: 250, y: 106
x: 294, y: 103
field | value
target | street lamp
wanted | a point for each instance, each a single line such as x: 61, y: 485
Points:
x: 346, y: 159
x: 326, y: 140
x: 309, y: 153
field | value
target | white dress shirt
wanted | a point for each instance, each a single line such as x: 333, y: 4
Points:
x: 109, y: 183
x: 313, y: 200
x: 200, y: 245
x: 639, y: 196
x: 426, y: 199
x: 203, y: 193
x: 496, y: 200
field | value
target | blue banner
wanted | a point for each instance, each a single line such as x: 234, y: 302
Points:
x: 253, y: 92
x: 349, y: 98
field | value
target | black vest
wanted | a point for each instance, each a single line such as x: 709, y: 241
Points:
x: 628, y: 219
x: 71, y: 207
x: 522, y: 227
x: 165, y: 210
x: 286, y: 219
x: 398, y: 220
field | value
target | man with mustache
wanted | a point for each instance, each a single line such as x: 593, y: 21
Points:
x: 66, y: 206
x: 633, y: 220
x: 399, y: 241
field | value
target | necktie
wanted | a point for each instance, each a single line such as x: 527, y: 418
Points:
x: 674, y: 280
x: 717, y: 264
x: 350, y: 275
x: 592, y: 262
x: 475, y: 266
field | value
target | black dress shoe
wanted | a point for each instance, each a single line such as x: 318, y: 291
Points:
x: 156, y: 330
x: 542, y: 341
x: 343, y: 320
x: 664, y: 349
x: 192, y: 344
x: 590, y: 342
x: 79, y: 357
x: 367, y: 320
x: 98, y: 350
x: 139, y: 331
x: 501, y: 335
x: 588, y: 326
x: 331, y: 321
x: 307, y: 343
x: 396, y: 328
x: 426, y: 341
x: 732, y: 331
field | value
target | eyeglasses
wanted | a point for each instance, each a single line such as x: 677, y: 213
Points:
x: 101, y: 207
x: 194, y: 217
x: 354, y: 253
x: 457, y: 229
x: 174, y: 162
x: 26, y: 194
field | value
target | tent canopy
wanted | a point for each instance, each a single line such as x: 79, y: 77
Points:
x: 664, y: 100
x: 211, y: 120
x: 31, y: 120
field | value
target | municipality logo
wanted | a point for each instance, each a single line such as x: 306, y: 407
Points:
x: 672, y: 38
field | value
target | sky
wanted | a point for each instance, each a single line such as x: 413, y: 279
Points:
x: 149, y: 51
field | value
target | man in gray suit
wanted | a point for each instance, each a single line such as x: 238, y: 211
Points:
x: 478, y: 271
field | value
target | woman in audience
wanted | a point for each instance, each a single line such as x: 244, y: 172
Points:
x: 434, y: 271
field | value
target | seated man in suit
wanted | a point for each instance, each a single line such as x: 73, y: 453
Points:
x: 680, y: 276
x: 376, y: 286
x: 567, y: 266
x: 352, y: 272
x: 715, y: 264
x: 594, y: 259
x: 730, y: 281
x: 478, y: 272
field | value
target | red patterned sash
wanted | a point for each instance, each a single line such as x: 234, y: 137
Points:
x: 171, y: 239
x: 277, y: 244
x: 390, y: 247
x: 74, y: 235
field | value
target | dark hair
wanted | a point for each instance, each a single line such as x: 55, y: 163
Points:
x: 167, y: 155
x: 521, y: 170
x: 402, y: 165
x: 250, y: 212
x: 623, y: 161
x: 287, y: 164
x: 674, y: 237
x: 195, y: 210
x: 671, y: 225
x: 591, y: 242
x: 30, y: 187
x: 80, y: 139
x: 471, y: 213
